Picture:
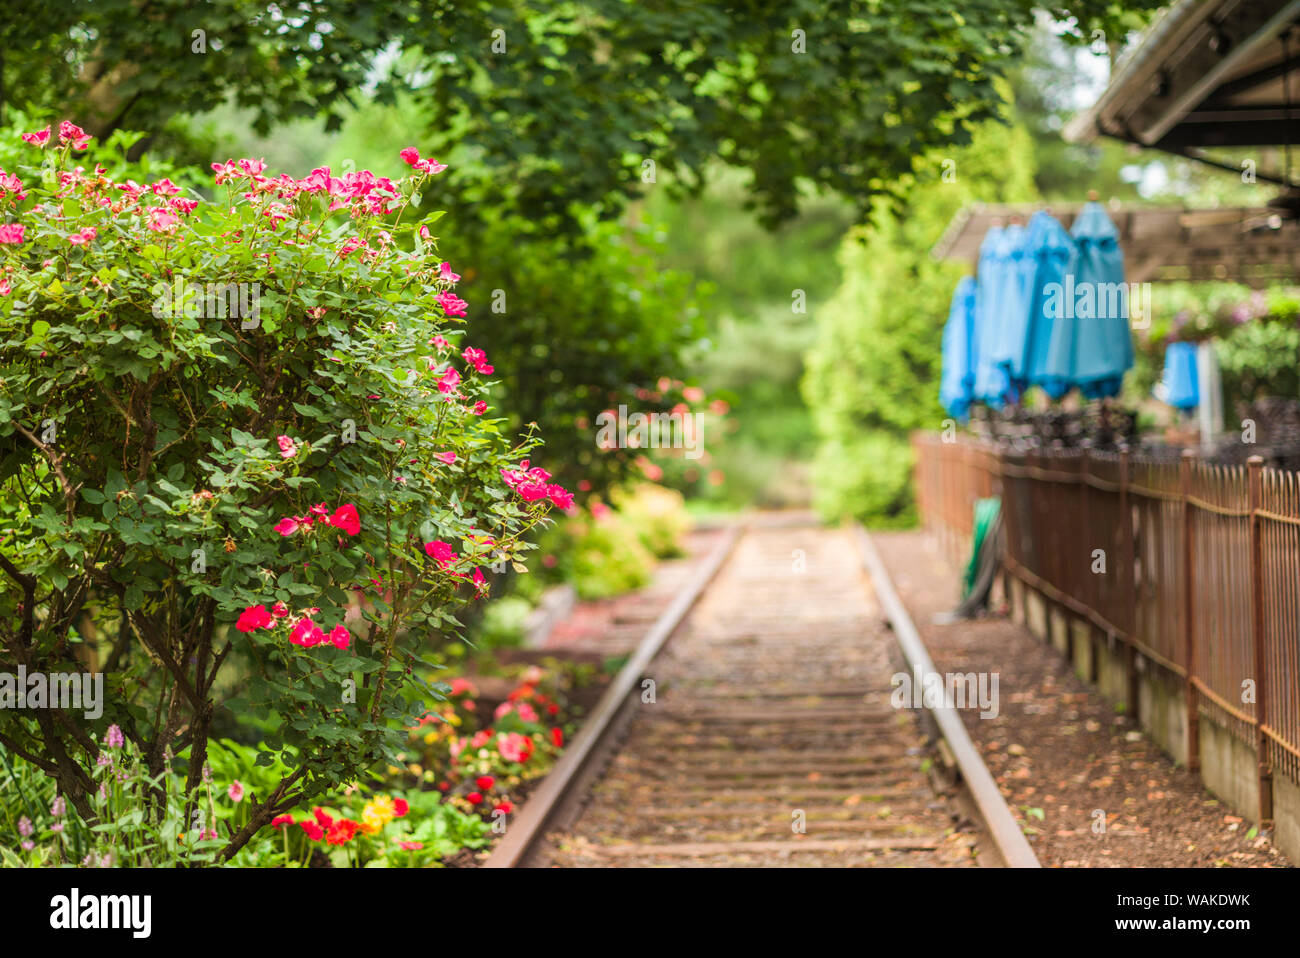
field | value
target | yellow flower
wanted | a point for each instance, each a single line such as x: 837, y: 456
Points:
x: 378, y: 812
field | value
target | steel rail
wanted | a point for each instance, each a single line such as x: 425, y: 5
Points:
x: 531, y: 823
x: 1002, y: 825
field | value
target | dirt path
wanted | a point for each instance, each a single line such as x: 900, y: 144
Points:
x: 1060, y: 752
x: 771, y: 739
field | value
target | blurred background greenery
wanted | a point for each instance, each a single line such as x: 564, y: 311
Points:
x: 719, y: 226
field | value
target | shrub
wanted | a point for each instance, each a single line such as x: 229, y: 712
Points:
x: 658, y: 516
x: 244, y: 464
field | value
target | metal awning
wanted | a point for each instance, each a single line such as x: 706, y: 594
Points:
x: 1256, y: 246
x: 1208, y: 73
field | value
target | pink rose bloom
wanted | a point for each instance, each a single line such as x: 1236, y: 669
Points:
x: 561, y: 497
x: 531, y: 491
x: 440, y: 552
x: 447, y: 458
x: 70, y: 132
x: 480, y: 408
x: 39, y: 138
x: 253, y: 618
x: 444, y: 270
x: 452, y: 304
x: 12, y: 233
x: 449, y: 381
x: 288, y: 526
x: 235, y: 791
x: 162, y: 220
x: 288, y: 448
x: 340, y: 637
x: 346, y: 518
x: 307, y: 634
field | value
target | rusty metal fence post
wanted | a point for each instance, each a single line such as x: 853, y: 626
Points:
x: 1128, y: 562
x: 1255, y: 476
x: 1189, y: 607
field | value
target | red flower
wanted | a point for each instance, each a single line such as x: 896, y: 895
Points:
x: 279, y: 610
x: 314, y: 831
x: 506, y: 807
x: 253, y: 618
x: 532, y: 491
x: 341, y: 832
x: 552, y: 709
x: 474, y: 798
x: 441, y: 553
x: 400, y: 807
x: 346, y: 518
x: 340, y: 637
x: 307, y: 634
x: 410, y: 846
x: 281, y: 821
x: 557, y: 736
x: 484, y: 782
x: 322, y: 819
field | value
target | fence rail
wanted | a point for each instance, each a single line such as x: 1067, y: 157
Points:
x: 1195, y: 567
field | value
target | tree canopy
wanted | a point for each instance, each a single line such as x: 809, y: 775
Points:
x: 567, y: 102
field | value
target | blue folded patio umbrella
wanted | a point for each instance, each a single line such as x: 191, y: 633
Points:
x: 1014, y: 269
x: 957, y: 382
x: 1049, y: 255
x: 1091, y: 345
x: 1180, y: 381
x: 991, y: 382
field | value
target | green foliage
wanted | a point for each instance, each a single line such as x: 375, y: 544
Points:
x: 139, y: 819
x: 657, y: 514
x: 503, y: 622
x: 1258, y: 360
x: 873, y: 373
x: 843, y: 94
x: 575, y: 336
x: 765, y: 287
x: 168, y: 465
x: 600, y: 553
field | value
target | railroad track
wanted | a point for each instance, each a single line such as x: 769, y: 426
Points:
x: 763, y: 733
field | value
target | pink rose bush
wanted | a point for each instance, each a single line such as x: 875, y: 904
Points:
x: 275, y: 458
